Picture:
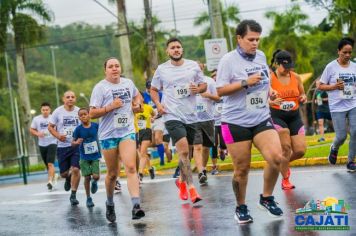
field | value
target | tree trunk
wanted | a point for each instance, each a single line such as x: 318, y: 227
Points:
x: 151, y: 42
x: 25, y: 106
x: 125, y: 52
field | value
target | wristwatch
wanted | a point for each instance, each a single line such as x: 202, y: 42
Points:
x: 244, y: 84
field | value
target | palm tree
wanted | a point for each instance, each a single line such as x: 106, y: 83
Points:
x: 230, y: 15
x: 287, y: 34
x: 26, y: 31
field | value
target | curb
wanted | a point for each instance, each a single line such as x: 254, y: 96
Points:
x: 315, y: 161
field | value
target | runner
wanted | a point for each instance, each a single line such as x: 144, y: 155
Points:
x: 322, y: 111
x: 339, y: 80
x: 46, y: 142
x: 285, y: 112
x: 243, y: 80
x: 86, y: 136
x: 143, y: 123
x: 157, y: 124
x: 112, y: 100
x: 180, y: 80
x: 204, y: 135
x: 61, y: 125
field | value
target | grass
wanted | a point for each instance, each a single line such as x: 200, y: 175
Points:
x: 314, y: 149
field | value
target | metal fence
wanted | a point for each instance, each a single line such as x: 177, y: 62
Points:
x: 23, y: 167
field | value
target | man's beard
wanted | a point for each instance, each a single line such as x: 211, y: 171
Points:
x: 176, y: 58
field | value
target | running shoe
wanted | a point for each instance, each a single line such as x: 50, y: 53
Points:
x: 94, y: 186
x: 321, y: 139
x: 332, y: 155
x: 152, y: 172
x: 268, y: 204
x: 202, y: 177
x: 351, y: 167
x: 176, y: 173
x: 67, y: 184
x: 286, y: 185
x: 90, y: 202
x: 242, y: 215
x: 117, y: 187
x: 194, y: 195
x: 49, y: 185
x: 110, y: 213
x: 137, y: 212
x: 73, y: 200
x: 182, y: 186
x: 222, y: 155
x: 214, y: 171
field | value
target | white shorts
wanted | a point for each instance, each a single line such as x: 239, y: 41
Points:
x: 158, y: 124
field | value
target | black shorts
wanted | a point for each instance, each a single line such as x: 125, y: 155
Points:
x: 219, y: 138
x: 48, y: 153
x: 288, y: 119
x: 178, y: 130
x: 166, y: 138
x: 67, y: 157
x: 236, y: 133
x: 204, y: 133
x: 323, y: 115
x: 144, y: 135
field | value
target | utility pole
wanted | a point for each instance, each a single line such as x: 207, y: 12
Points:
x: 151, y: 42
x: 215, y: 19
x: 174, y: 19
x: 55, y: 73
x: 124, y: 43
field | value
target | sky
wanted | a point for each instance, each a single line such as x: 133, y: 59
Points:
x: 69, y: 11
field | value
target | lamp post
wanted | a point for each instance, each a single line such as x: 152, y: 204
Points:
x: 55, y: 73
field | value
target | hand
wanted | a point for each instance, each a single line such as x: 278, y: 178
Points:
x: 339, y: 85
x: 277, y: 101
x: 117, y: 103
x: 273, y: 94
x: 303, y: 98
x: 194, y: 88
x: 160, y: 109
x: 205, y: 95
x: 62, y: 137
x: 254, y: 79
x: 78, y: 141
x: 40, y: 134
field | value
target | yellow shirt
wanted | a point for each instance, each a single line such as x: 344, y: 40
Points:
x: 143, y: 119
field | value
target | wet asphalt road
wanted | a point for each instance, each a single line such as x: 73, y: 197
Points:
x: 32, y: 210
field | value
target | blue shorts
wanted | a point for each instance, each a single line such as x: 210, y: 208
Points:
x: 323, y: 115
x: 67, y: 157
x: 112, y: 143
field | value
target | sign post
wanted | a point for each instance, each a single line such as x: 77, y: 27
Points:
x: 215, y: 49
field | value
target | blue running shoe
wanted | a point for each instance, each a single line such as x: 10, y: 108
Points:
x: 242, y: 215
x: 268, y: 204
x: 94, y: 186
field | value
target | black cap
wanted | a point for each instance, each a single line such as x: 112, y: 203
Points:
x: 148, y: 84
x: 284, y: 58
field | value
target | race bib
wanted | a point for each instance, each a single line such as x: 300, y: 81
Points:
x: 287, y: 106
x: 68, y: 131
x: 181, y: 91
x: 46, y: 134
x: 201, y: 107
x: 90, y: 148
x: 121, y: 120
x: 348, y: 92
x: 218, y: 108
x: 141, y: 124
x: 256, y: 100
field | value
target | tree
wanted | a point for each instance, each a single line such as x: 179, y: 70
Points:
x: 287, y: 34
x: 230, y: 15
x: 26, y: 31
x: 341, y: 13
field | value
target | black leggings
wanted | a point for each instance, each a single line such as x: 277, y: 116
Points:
x: 219, y: 140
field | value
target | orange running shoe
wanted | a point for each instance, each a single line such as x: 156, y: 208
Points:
x: 286, y: 185
x: 194, y: 195
x: 182, y: 186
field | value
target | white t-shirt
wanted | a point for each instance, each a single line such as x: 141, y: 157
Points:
x: 40, y: 123
x: 119, y: 122
x: 174, y: 82
x: 246, y: 107
x: 205, y: 106
x: 65, y: 122
x: 340, y: 100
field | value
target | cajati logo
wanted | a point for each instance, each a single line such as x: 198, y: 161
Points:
x: 327, y: 214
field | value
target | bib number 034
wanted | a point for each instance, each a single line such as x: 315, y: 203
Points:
x: 256, y: 100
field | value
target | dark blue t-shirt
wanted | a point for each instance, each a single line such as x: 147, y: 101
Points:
x: 147, y: 98
x: 89, y: 148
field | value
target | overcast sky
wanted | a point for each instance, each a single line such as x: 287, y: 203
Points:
x: 69, y: 11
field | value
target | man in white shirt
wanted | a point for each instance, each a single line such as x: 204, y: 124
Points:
x: 180, y: 80
x: 61, y: 125
x: 46, y: 142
